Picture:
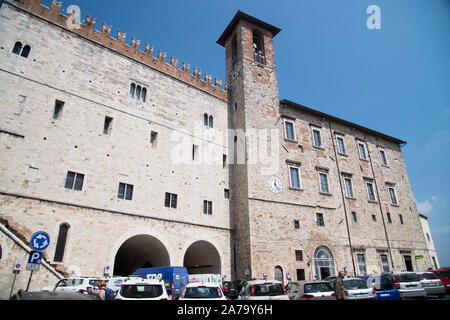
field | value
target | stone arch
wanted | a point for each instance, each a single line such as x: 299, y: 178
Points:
x: 202, y: 257
x: 140, y: 251
x: 323, y: 263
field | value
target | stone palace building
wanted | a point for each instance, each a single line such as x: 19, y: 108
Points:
x: 128, y: 158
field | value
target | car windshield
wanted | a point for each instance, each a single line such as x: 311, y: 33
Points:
x: 141, y: 291
x: 355, y: 284
x: 268, y: 289
x: 201, y: 292
x: 318, y: 287
x: 407, y: 277
x: 445, y: 273
x: 428, y: 276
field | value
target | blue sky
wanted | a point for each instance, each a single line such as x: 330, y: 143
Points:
x: 395, y: 80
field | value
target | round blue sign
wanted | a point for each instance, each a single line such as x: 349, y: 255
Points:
x: 40, y: 241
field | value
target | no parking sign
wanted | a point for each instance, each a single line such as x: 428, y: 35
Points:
x: 107, y: 270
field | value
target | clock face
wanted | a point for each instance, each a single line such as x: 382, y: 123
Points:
x: 274, y: 184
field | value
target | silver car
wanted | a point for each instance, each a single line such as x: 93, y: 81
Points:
x: 357, y: 289
x: 432, y: 284
x: 310, y: 290
x: 408, y: 284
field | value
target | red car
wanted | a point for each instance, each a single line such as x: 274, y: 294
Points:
x: 444, y: 275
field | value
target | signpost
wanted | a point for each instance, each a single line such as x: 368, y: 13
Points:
x: 16, y: 271
x: 39, y: 242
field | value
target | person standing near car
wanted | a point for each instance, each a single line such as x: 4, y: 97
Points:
x: 339, y: 289
x: 102, y: 286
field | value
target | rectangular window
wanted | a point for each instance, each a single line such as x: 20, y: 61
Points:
x: 370, y: 191
x: 383, y: 158
x: 296, y: 224
x: 374, y: 217
x: 300, y: 274
x: 389, y: 217
x: 153, y: 138
x: 385, y: 263
x: 289, y: 130
x: 401, y: 218
x: 294, y: 177
x: 362, y: 264
x: 226, y: 193
x: 194, y: 152
x: 107, y: 125
x: 393, y: 196
x: 362, y: 151
x: 319, y: 219
x: 341, y: 145
x: 354, y: 217
x: 74, y: 181
x: 207, y: 207
x: 125, y: 191
x: 298, y: 255
x: 170, y: 200
x: 349, y: 188
x: 323, y: 179
x: 58, y: 109
x: 224, y: 161
x: 317, y: 138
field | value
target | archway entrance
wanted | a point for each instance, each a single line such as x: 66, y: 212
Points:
x: 141, y: 251
x: 278, y: 273
x: 324, y: 263
x: 202, y: 257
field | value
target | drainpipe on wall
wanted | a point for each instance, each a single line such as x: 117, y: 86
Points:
x: 343, y: 199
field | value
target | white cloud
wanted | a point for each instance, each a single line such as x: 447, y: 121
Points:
x: 425, y: 207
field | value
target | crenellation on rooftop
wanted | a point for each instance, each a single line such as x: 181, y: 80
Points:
x: 118, y: 44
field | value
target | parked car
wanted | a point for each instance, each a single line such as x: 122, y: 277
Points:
x: 310, y: 290
x: 384, y: 287
x: 202, y: 291
x: 74, y: 284
x: 175, y: 278
x: 432, y: 284
x: 114, y: 282
x: 142, y: 289
x: 408, y: 284
x: 357, y: 289
x: 444, y: 276
x: 263, y: 290
x: 52, y: 295
x: 230, y: 290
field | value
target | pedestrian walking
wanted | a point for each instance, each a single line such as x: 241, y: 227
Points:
x: 339, y: 289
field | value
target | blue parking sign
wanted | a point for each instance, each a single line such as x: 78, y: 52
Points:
x: 35, y: 257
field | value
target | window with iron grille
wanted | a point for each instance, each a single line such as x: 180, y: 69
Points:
x: 298, y: 255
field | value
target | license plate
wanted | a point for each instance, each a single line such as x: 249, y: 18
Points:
x: 384, y: 295
x: 432, y: 284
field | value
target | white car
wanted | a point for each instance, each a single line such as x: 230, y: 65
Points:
x: 73, y: 284
x: 114, y: 283
x: 263, y: 290
x: 202, y: 291
x: 142, y: 289
x: 357, y: 289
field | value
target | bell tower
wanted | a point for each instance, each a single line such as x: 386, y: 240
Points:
x: 253, y: 104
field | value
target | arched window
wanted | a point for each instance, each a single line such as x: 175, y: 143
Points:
x: 258, y: 47
x: 138, y: 92
x: 26, y: 51
x: 324, y: 263
x: 211, y: 121
x: 205, y: 119
x: 61, y: 242
x: 132, y: 90
x: 17, y: 48
x: 144, y: 94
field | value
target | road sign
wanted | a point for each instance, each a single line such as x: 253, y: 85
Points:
x: 107, y: 270
x: 17, y: 265
x: 40, y: 241
x: 34, y: 261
